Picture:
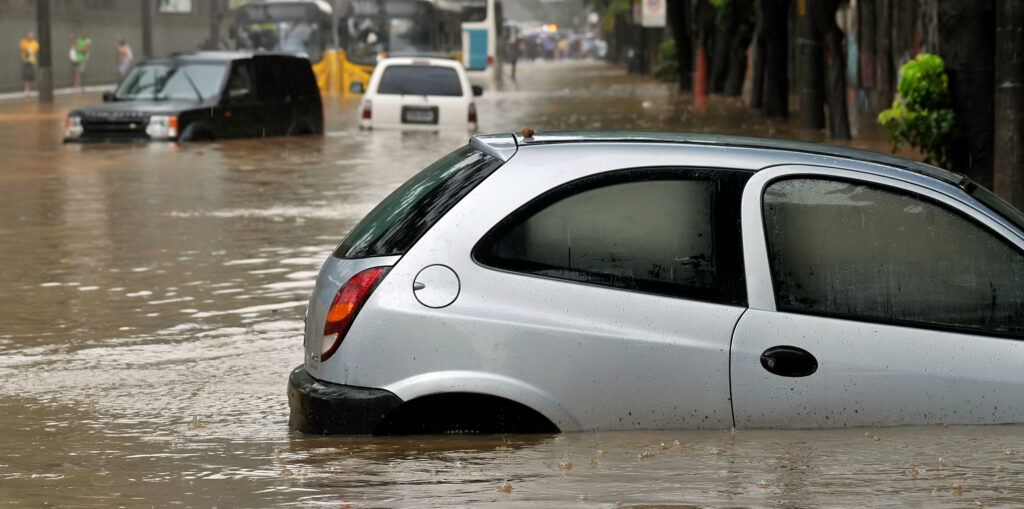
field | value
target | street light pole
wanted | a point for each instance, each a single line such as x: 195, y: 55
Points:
x: 44, y: 60
x: 147, y: 28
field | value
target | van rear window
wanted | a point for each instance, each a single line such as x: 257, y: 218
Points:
x: 395, y: 224
x: 420, y: 80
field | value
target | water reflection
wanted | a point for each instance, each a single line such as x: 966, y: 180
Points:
x: 152, y: 301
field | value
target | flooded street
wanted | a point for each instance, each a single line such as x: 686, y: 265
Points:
x: 152, y: 300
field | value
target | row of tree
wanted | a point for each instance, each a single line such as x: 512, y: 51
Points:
x: 799, y: 47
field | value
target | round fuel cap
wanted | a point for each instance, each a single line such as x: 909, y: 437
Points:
x: 436, y: 286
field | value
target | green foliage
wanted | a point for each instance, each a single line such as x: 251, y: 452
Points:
x: 921, y: 115
x: 735, y: 16
x: 668, y: 66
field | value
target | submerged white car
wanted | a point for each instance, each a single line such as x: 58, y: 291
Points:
x: 416, y: 93
x: 602, y: 281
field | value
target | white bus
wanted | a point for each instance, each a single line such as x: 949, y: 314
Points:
x: 482, y: 42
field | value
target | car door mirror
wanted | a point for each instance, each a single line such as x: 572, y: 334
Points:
x: 478, y: 91
x: 238, y: 95
x: 108, y: 97
x: 356, y: 87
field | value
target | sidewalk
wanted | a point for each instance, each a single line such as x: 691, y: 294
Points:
x: 6, y: 96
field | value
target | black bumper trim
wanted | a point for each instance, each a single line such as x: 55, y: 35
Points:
x: 323, y: 408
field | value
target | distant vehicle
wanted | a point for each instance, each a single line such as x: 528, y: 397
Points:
x: 302, y: 27
x: 621, y: 280
x: 483, y: 47
x: 419, y: 93
x: 370, y: 30
x: 205, y: 96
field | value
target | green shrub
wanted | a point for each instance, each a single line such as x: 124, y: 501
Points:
x: 668, y: 67
x: 921, y: 115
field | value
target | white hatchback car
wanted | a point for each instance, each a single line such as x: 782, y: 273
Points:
x: 584, y: 281
x: 419, y: 93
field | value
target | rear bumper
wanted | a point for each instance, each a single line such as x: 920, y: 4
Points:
x: 323, y: 408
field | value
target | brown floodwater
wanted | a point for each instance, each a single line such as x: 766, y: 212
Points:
x: 151, y: 303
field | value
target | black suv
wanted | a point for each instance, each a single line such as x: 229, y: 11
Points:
x: 205, y: 96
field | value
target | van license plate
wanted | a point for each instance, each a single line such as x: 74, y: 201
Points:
x: 414, y: 115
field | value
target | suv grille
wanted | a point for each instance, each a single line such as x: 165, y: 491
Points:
x: 115, y: 124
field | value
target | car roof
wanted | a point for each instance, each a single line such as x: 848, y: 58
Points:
x: 420, y: 60
x: 504, y: 146
x: 215, y: 56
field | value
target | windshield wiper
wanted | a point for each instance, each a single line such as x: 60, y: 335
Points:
x: 193, y: 84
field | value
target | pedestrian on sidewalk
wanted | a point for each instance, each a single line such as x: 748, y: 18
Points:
x: 124, y: 57
x: 73, y: 58
x: 82, y: 49
x: 29, y: 52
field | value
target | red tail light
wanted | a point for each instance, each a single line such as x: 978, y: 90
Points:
x: 472, y: 112
x: 367, y: 110
x: 347, y: 303
x: 490, y: 60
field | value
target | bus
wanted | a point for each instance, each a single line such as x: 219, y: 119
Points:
x: 291, y: 26
x: 373, y: 29
x: 483, y: 46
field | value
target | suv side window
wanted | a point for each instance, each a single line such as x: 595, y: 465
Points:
x: 656, y: 230
x: 240, y: 84
x: 863, y: 252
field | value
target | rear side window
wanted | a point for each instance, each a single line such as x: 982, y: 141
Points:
x: 664, y: 231
x: 420, y: 80
x: 856, y: 251
x: 395, y: 224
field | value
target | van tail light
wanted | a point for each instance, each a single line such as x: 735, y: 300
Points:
x: 347, y: 303
x: 490, y: 59
x: 472, y: 113
x: 367, y: 110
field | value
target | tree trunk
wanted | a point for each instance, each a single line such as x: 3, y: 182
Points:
x: 809, y: 49
x: 967, y: 45
x: 883, y: 55
x: 838, y: 116
x: 741, y: 22
x: 775, y: 100
x: 721, y: 53
x: 678, y: 17
x: 758, y: 54
x: 867, y: 44
x: 1009, y: 102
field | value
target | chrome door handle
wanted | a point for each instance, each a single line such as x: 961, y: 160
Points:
x: 418, y: 286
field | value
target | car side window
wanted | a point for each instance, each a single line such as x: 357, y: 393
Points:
x: 240, y: 84
x: 865, y: 252
x: 664, y: 231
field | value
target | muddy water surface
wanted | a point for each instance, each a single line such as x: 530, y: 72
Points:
x: 151, y: 302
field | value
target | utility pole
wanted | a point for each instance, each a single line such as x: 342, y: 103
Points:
x: 44, y: 60
x: 147, y: 28
x: 216, y: 16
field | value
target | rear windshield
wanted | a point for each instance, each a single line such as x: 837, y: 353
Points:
x: 395, y: 224
x: 420, y: 80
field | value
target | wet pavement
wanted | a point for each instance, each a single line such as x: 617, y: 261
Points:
x: 151, y: 301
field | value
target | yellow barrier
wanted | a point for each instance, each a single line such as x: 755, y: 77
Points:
x: 351, y: 73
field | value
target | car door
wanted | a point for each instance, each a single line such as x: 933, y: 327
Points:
x: 242, y: 115
x: 275, y: 100
x: 875, y: 301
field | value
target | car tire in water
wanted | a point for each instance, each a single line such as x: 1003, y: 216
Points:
x: 196, y: 132
x: 299, y: 129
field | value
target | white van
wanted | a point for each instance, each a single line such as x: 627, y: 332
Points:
x: 419, y: 93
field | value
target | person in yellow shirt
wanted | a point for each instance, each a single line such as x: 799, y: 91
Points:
x: 29, y: 51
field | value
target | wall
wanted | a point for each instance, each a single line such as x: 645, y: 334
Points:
x: 104, y: 21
